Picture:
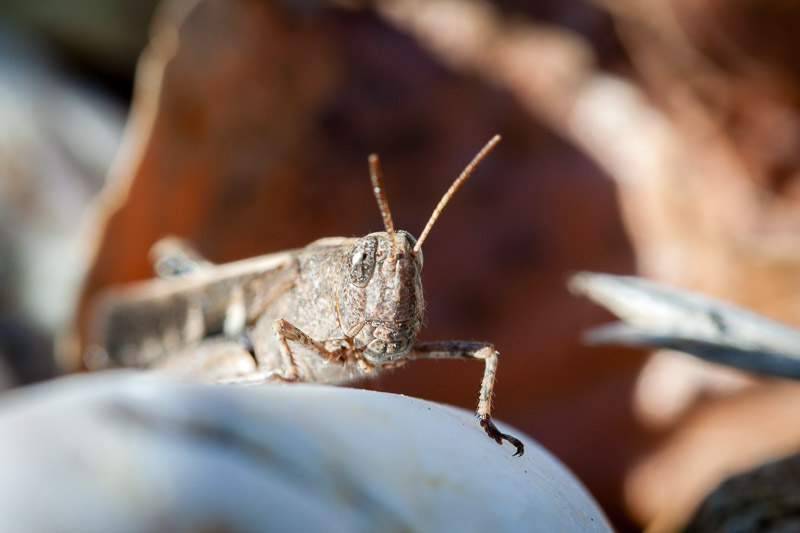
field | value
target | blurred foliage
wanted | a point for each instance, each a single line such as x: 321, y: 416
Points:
x: 102, y: 39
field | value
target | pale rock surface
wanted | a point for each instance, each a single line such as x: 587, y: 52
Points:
x: 123, y: 451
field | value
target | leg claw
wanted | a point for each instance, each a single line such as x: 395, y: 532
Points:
x: 498, y: 436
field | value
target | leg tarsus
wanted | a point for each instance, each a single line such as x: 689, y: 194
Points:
x: 498, y: 436
x: 289, y: 378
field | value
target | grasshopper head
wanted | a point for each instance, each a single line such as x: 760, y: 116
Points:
x: 380, y: 295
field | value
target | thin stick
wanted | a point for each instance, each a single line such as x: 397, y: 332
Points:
x: 376, y: 176
x: 452, y: 190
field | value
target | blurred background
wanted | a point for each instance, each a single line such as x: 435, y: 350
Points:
x: 652, y: 137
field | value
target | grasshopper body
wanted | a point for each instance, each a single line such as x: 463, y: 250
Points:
x: 336, y: 310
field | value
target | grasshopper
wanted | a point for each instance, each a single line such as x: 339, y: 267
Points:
x: 337, y: 310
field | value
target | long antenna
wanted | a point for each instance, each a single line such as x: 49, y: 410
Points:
x: 452, y: 190
x: 376, y: 176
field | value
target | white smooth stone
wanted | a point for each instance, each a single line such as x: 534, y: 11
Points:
x: 123, y: 451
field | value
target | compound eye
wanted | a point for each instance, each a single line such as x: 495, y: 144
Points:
x: 411, y: 243
x: 410, y: 238
x: 361, y: 261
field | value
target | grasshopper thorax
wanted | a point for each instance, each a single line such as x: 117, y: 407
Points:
x: 379, y: 300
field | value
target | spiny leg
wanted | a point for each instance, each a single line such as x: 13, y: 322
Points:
x: 284, y: 332
x: 473, y: 350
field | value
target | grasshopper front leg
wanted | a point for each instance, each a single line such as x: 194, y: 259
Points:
x: 284, y: 333
x: 473, y: 350
x: 286, y: 367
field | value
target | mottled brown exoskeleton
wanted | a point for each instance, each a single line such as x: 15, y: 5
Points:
x: 336, y: 310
